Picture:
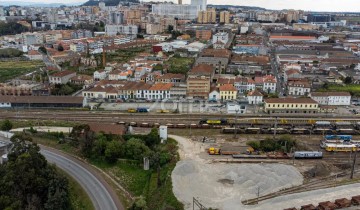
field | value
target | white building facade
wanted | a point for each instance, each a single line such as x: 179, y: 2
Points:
x: 332, y: 98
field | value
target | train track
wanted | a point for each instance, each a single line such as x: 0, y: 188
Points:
x: 326, y: 182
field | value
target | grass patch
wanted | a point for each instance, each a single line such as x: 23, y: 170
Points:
x: 179, y: 65
x: 12, y: 69
x: 353, y: 89
x: 79, y: 199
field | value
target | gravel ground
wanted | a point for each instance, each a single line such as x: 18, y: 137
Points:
x: 223, y: 186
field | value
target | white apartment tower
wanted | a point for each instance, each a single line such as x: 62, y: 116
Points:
x: 201, y: 3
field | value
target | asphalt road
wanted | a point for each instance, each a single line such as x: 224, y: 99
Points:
x: 96, y: 190
x: 99, y: 191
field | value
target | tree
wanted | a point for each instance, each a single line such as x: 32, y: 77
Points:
x: 100, y: 145
x: 28, y: 182
x: 135, y: 149
x: 43, y: 49
x: 6, y: 125
x: 348, y: 80
x: 60, y: 48
x: 113, y: 151
x: 152, y: 138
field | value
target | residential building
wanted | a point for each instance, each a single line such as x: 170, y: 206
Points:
x: 178, y: 92
x: 244, y: 84
x: 222, y: 37
x: 61, y: 77
x: 116, y: 18
x: 225, y: 17
x: 180, y: 11
x: 34, y: 55
x: 214, y: 94
x: 202, y: 70
x: 332, y: 98
x: 202, y: 4
x: 291, y: 105
x: 298, y: 87
x: 129, y: 30
x: 217, y: 58
x: 203, y: 34
x: 228, y: 92
x: 255, y: 97
x: 100, y: 75
x: 292, y: 74
x: 159, y: 91
x: 208, y: 16
x: 198, y: 87
x: 267, y: 83
x: 175, y: 79
x: 82, y: 80
x: 32, y: 38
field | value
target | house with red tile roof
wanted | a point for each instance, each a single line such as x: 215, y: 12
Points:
x: 61, y: 77
x: 228, y: 92
x: 267, y: 83
x: 255, y: 97
x: 159, y: 91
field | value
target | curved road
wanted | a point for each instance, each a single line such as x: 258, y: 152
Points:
x: 100, y: 192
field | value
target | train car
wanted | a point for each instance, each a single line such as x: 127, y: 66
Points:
x: 308, y: 155
x: 323, y: 127
x: 340, y: 147
x: 231, y: 130
x: 213, y: 121
x: 131, y: 110
x: 300, y: 131
x: 253, y: 130
x: 142, y: 110
x: 338, y: 137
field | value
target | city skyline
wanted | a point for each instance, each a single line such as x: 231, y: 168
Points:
x: 308, y: 5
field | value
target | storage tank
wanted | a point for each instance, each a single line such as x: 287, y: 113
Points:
x: 163, y: 132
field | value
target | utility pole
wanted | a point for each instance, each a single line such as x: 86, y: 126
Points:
x: 353, y: 167
x: 275, y: 127
x: 235, y: 124
x: 258, y: 194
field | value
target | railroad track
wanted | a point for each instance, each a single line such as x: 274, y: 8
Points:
x: 326, y: 182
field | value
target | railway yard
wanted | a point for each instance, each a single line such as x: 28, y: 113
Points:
x: 232, y: 163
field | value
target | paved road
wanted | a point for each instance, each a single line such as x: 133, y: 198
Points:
x: 101, y: 193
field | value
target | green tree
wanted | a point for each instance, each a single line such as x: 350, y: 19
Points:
x: 6, y: 125
x: 135, y: 149
x: 43, y: 49
x: 152, y: 138
x: 113, y: 151
x: 348, y: 80
x: 100, y: 145
x: 254, y: 144
x: 28, y: 182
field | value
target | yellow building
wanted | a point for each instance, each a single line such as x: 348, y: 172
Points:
x: 291, y: 105
x: 225, y: 17
x: 227, y: 92
x: 208, y: 16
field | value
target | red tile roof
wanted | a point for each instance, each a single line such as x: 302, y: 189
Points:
x: 227, y: 87
x: 290, y: 100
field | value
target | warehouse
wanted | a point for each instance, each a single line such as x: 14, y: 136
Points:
x: 42, y: 101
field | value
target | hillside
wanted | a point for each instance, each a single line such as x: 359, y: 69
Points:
x: 108, y: 2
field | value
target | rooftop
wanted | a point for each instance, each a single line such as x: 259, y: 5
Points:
x: 320, y: 94
x: 290, y: 100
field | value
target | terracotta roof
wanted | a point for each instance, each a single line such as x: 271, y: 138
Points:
x: 227, y: 87
x: 292, y: 71
x: 299, y: 83
x: 108, y: 128
x: 202, y: 69
x: 81, y: 78
x: 33, y: 52
x: 171, y: 76
x: 293, y: 37
x: 223, y: 53
x: 225, y: 81
x: 63, y: 73
x: 96, y: 89
x: 323, y: 94
x: 161, y: 86
x: 264, y: 60
x: 255, y: 93
x: 290, y: 100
